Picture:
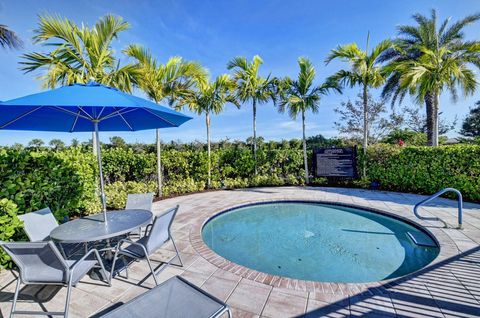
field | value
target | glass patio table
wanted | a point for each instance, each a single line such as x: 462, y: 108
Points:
x: 92, y: 228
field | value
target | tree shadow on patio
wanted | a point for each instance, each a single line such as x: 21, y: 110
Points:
x: 450, y: 287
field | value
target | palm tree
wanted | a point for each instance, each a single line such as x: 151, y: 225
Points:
x: 365, y: 70
x: 211, y: 98
x: 8, y: 38
x: 171, y: 81
x: 251, y: 87
x: 79, y: 54
x: 428, y: 59
x: 300, y: 96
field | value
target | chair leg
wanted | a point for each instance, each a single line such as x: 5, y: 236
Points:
x: 178, y: 253
x: 112, y: 270
x: 152, y: 270
x: 67, y: 302
x: 15, y: 297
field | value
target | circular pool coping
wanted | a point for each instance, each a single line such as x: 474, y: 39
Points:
x: 444, y: 242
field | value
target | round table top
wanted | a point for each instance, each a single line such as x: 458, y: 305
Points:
x: 92, y: 228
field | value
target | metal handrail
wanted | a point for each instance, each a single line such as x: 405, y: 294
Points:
x: 434, y: 196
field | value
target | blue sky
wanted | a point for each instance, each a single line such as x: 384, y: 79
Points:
x: 212, y: 32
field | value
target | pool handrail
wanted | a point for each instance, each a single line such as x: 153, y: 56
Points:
x: 434, y: 196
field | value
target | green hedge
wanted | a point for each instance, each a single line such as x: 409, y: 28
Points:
x: 426, y: 170
x: 64, y: 181
x: 10, y: 228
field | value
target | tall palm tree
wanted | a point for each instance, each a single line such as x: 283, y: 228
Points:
x: 251, y: 87
x: 78, y: 54
x: 171, y: 81
x: 428, y: 59
x: 365, y: 71
x: 300, y: 96
x: 210, y: 98
x: 8, y: 38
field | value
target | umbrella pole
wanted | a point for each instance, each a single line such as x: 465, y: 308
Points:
x: 102, y: 186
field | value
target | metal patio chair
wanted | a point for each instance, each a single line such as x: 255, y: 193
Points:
x: 38, y: 225
x: 40, y: 263
x: 141, y: 201
x: 174, y: 298
x: 156, y: 235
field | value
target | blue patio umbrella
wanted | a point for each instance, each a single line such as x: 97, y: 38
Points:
x: 86, y: 107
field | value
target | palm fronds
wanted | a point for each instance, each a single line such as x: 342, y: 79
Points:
x: 79, y: 53
x: 8, y: 38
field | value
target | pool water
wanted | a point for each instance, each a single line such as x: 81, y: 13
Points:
x: 318, y: 242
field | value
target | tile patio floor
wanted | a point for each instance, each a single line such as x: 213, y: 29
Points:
x: 449, y: 287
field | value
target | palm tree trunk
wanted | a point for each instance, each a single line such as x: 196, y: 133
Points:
x: 305, y: 159
x: 159, y: 164
x: 435, y: 119
x: 207, y: 120
x: 255, y: 135
x: 431, y: 105
x: 365, y: 128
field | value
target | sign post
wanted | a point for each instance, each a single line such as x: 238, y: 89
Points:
x: 335, y: 162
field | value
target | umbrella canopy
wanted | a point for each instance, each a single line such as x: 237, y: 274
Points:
x: 86, y: 107
x: 77, y: 107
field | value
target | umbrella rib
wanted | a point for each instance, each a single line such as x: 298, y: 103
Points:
x: 117, y: 113
x: 20, y: 117
x: 70, y: 112
x: 126, y: 122
x: 148, y: 110
x: 89, y: 116
x: 100, y: 114
x: 75, y: 122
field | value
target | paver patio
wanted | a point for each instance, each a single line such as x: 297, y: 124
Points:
x: 448, y: 287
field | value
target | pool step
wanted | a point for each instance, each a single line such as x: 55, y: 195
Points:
x: 421, y: 239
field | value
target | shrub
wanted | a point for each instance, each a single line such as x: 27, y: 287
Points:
x: 10, y: 228
x: 117, y: 192
x: 187, y: 185
x: 426, y: 169
x: 63, y: 181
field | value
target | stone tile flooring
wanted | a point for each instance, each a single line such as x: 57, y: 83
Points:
x: 449, y: 287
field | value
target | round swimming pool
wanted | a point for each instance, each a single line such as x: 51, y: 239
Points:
x: 319, y: 242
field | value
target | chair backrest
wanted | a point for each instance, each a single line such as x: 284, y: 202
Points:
x: 38, y: 224
x: 142, y: 201
x: 37, y: 261
x: 160, y: 232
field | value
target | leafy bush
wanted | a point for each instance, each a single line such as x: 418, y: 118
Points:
x: 10, y: 228
x: 121, y: 164
x: 117, y: 192
x: 426, y: 169
x: 187, y: 185
x: 63, y: 181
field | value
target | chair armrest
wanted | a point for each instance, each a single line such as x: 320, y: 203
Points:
x: 148, y: 228
x: 119, y: 248
x: 92, y: 251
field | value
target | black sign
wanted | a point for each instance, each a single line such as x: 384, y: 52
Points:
x: 335, y: 162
